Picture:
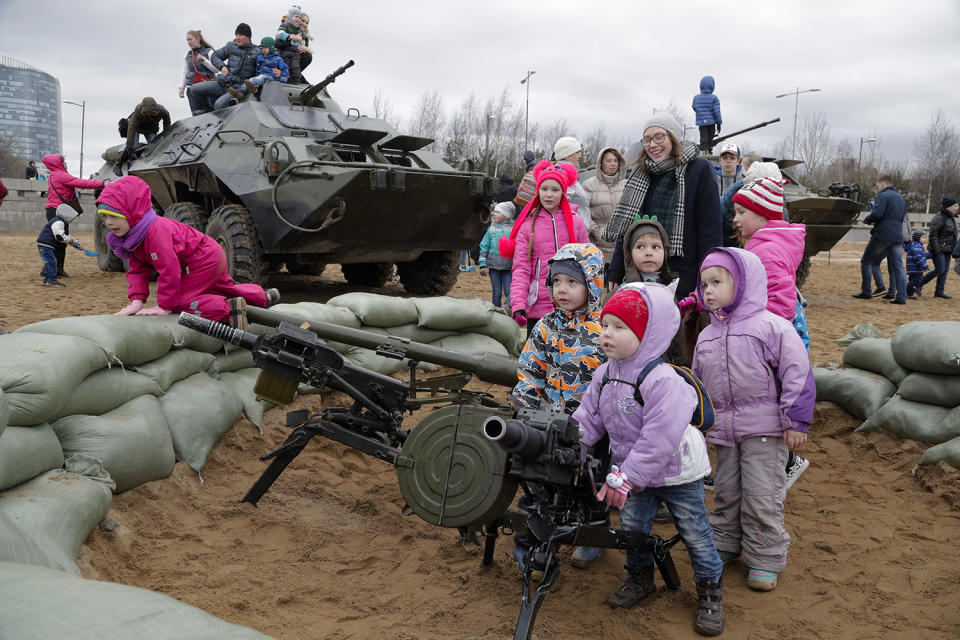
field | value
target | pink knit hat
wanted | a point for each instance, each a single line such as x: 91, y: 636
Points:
x: 764, y: 197
x: 565, y: 174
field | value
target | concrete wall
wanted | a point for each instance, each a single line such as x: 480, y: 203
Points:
x: 24, y: 208
x: 861, y: 232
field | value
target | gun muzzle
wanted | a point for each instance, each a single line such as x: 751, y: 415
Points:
x: 515, y: 436
x: 218, y: 330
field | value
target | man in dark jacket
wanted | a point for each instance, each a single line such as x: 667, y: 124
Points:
x: 31, y: 173
x: 238, y: 62
x: 145, y: 120
x: 886, y: 241
x: 942, y: 242
x: 507, y: 190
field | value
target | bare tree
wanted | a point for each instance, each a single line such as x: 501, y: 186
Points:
x: 428, y: 119
x: 592, y: 143
x: 815, y: 148
x: 937, y: 150
x: 11, y: 164
x: 384, y: 111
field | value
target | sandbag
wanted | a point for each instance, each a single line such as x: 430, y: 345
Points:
x: 504, y: 330
x: 175, y: 366
x: 860, y: 392
x: 132, y: 441
x: 452, y: 313
x: 472, y: 343
x: 57, y: 510
x: 132, y: 340
x: 41, y: 603
x: 38, y: 372
x: 931, y: 347
x: 416, y: 333
x: 4, y: 411
x: 241, y: 383
x: 862, y: 330
x: 874, y: 354
x: 376, y: 310
x: 948, y: 452
x: 913, y: 420
x: 105, y: 390
x: 233, y: 361
x: 17, y: 546
x: 26, y: 452
x: 317, y: 312
x: 931, y: 388
x: 199, y: 410
x: 186, y: 338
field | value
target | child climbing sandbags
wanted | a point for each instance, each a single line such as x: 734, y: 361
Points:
x: 57, y: 510
x: 913, y: 420
x: 132, y: 441
x: 931, y: 347
x: 131, y: 340
x: 38, y: 372
x: 105, y: 390
x: 931, y: 388
x: 199, y: 410
x: 874, y: 354
x: 859, y: 392
x: 40, y: 603
x: 26, y: 452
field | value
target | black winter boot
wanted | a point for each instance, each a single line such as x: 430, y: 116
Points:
x: 637, y: 587
x: 708, y: 619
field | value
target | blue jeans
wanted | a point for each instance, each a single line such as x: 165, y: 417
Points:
x: 206, y: 96
x: 941, y: 267
x: 49, y: 262
x: 876, y: 251
x: 501, y: 279
x: 685, y: 503
x: 914, y: 282
x: 149, y: 137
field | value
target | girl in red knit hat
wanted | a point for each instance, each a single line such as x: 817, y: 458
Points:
x: 545, y: 224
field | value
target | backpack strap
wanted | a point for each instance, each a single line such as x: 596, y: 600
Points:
x: 647, y: 368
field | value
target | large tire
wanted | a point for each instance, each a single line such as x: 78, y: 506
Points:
x: 188, y: 213
x: 232, y: 227
x: 803, y: 271
x: 107, y: 260
x: 373, y: 274
x: 433, y: 274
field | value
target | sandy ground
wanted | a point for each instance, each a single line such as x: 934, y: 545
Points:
x: 327, y: 554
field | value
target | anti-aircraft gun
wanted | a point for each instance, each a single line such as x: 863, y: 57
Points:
x: 463, y: 464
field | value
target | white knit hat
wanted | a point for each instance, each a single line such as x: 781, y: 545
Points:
x: 759, y: 170
x: 764, y: 197
x: 566, y: 147
x: 665, y: 120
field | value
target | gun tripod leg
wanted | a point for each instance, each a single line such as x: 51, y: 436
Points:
x: 490, y: 535
x: 532, y: 599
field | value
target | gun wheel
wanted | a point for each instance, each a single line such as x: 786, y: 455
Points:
x: 232, y: 227
x: 189, y: 213
x: 373, y: 274
x: 107, y: 260
x: 433, y: 274
x: 803, y: 271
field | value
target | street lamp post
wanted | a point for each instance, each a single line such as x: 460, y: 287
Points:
x: 526, y: 117
x: 793, y: 149
x: 83, y: 118
x: 860, y: 157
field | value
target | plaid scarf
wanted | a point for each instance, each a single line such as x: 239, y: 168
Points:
x: 635, y: 191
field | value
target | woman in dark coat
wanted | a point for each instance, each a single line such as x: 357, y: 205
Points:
x: 942, y: 242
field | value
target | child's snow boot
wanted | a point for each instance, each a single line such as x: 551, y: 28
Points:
x: 708, y: 619
x: 637, y: 587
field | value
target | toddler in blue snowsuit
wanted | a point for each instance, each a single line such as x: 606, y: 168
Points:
x: 916, y: 263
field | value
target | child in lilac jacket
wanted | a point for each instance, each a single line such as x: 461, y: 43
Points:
x: 658, y: 455
x: 758, y: 374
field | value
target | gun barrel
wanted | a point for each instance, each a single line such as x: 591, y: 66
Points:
x: 489, y: 367
x: 515, y: 437
x: 310, y: 92
x: 218, y: 330
x: 720, y: 139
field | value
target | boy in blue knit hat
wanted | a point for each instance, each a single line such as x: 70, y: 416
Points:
x: 270, y: 67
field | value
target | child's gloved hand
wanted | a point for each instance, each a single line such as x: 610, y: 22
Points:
x: 482, y: 269
x: 614, y: 491
x: 687, y: 304
x: 152, y: 311
x: 130, y: 309
x: 520, y: 317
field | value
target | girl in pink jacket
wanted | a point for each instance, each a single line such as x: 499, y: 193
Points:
x: 545, y: 224
x: 61, y: 189
x: 191, y: 267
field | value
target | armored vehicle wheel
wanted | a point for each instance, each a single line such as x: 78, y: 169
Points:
x: 188, y: 213
x: 434, y: 273
x: 373, y: 274
x: 303, y: 268
x: 107, y: 261
x: 803, y: 271
x: 232, y: 227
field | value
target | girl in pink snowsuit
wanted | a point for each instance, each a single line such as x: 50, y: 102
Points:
x: 191, y: 266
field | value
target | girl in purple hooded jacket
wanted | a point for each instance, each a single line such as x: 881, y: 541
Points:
x: 756, y: 370
x: 658, y: 456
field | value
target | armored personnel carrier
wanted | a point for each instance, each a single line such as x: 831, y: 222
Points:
x: 291, y: 179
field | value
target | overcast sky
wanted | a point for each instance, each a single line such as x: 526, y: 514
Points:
x: 882, y: 67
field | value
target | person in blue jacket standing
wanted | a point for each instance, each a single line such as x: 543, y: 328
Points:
x: 886, y: 241
x: 706, y: 106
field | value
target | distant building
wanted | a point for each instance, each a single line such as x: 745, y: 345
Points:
x: 29, y: 110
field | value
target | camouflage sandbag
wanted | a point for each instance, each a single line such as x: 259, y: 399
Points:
x: 241, y: 383
x: 862, y: 330
x: 447, y: 313
x: 317, y: 312
x: 57, y: 510
x: 930, y: 347
x: 40, y: 603
x: 26, y: 452
x: 4, y: 411
x: 176, y: 365
x: 375, y: 310
x: 472, y: 343
x: 874, y: 354
x: 38, y: 372
x: 199, y: 410
x: 132, y: 441
x: 132, y: 340
x: 931, y: 388
x: 105, y: 390
x: 860, y: 392
x: 233, y: 361
x: 948, y: 452
x: 913, y: 420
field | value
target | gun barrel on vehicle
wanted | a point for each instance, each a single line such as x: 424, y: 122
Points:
x: 488, y: 367
x: 311, y: 92
x: 720, y: 139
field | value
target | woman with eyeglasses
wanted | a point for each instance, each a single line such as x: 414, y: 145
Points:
x: 670, y: 181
